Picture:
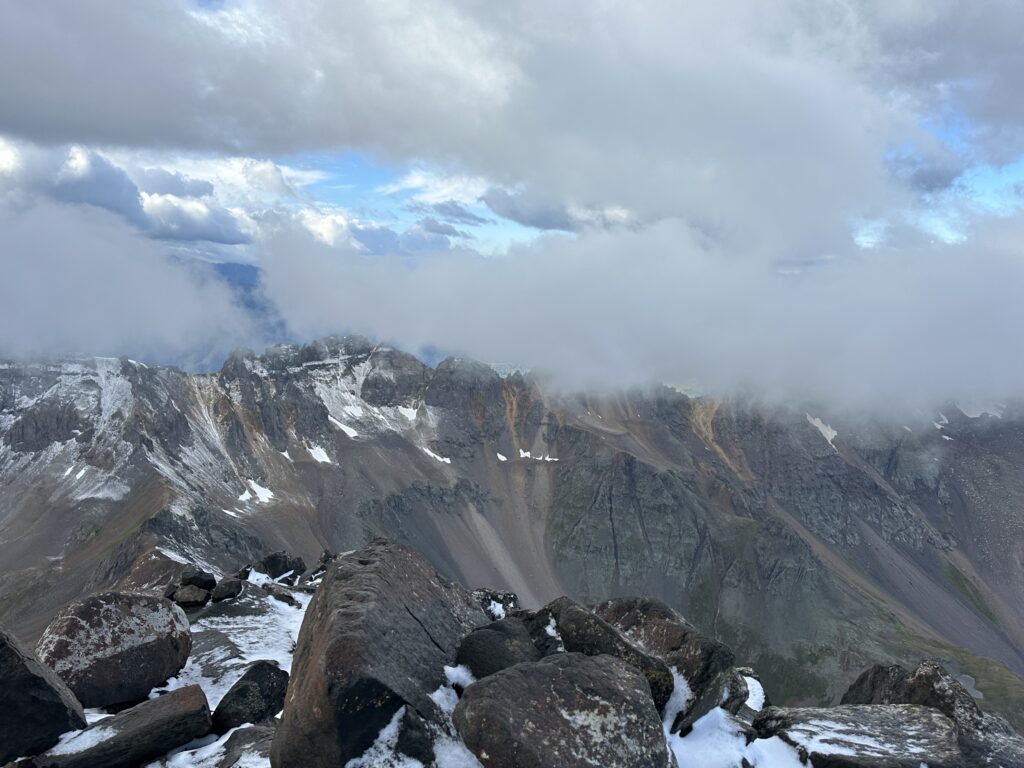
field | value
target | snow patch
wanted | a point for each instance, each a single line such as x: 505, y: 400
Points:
x: 501, y: 458
x: 343, y: 427
x: 319, y: 454
x: 826, y: 431
x: 263, y: 495
x: 756, y: 698
x: 79, y: 741
x: 433, y: 455
x: 496, y: 610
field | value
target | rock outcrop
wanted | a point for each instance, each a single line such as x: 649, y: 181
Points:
x: 36, y: 706
x: 133, y: 737
x: 258, y: 695
x: 582, y: 631
x: 873, y: 736
x: 567, y: 710
x: 112, y: 649
x: 376, y: 637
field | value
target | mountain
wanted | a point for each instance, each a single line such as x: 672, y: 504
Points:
x: 815, y: 543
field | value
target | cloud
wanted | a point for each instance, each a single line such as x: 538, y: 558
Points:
x: 77, y: 280
x: 182, y: 218
x: 435, y: 227
x: 158, y: 181
x: 626, y: 307
x: 454, y: 212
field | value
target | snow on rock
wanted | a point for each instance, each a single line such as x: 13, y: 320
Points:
x: 79, y: 741
x: 226, y: 640
x: 343, y: 427
x: 755, y: 697
x: 826, y: 431
x: 502, y: 458
x: 496, y: 610
x: 263, y: 495
x: 718, y: 741
x: 319, y: 454
x: 431, y: 454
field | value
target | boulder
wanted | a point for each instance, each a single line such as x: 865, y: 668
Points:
x: 929, y: 685
x: 496, y: 603
x: 133, y: 737
x: 114, y: 648
x: 196, y: 577
x: 376, y: 636
x: 984, y: 739
x: 869, y: 736
x: 36, y: 706
x: 662, y: 632
x: 190, y: 596
x: 494, y: 647
x: 728, y: 690
x: 582, y: 631
x: 258, y: 695
x: 227, y: 589
x: 567, y: 710
x: 277, y: 564
x: 282, y: 594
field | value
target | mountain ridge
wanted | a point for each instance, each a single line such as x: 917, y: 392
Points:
x: 814, y: 542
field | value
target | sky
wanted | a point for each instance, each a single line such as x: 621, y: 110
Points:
x: 802, y: 198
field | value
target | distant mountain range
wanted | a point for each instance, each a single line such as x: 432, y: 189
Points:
x: 814, y: 543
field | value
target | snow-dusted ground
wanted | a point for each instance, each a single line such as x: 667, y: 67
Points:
x: 255, y: 626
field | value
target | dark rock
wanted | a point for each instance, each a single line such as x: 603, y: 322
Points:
x: 874, y: 736
x: 567, y: 710
x: 170, y: 589
x: 728, y: 691
x: 928, y: 685
x: 583, y: 631
x: 135, y: 736
x: 662, y: 632
x: 496, y: 604
x: 278, y: 592
x: 114, y: 648
x: 196, y: 577
x: 493, y: 647
x: 277, y: 564
x: 256, y: 696
x: 415, y: 738
x: 35, y: 705
x: 376, y: 636
x: 246, y: 742
x: 227, y: 589
x: 984, y: 739
x: 191, y: 596
x: 994, y: 743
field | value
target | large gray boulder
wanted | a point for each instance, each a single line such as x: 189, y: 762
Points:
x: 929, y: 685
x: 664, y: 633
x: 869, y: 736
x: 494, y: 647
x: 582, y: 631
x: 568, y: 710
x: 133, y: 737
x: 256, y: 696
x: 984, y: 739
x: 376, y: 636
x: 36, y: 706
x: 114, y: 648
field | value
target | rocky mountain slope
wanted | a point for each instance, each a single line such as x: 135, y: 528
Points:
x: 815, y: 544
x: 373, y: 660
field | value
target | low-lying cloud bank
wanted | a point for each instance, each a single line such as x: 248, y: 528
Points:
x: 620, y: 308
x: 78, y: 281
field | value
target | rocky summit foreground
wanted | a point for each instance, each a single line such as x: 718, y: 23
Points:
x: 813, y: 543
x: 396, y: 667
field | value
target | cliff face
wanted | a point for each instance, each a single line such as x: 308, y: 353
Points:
x: 813, y: 543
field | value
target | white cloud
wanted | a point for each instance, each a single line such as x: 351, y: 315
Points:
x: 78, y: 280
